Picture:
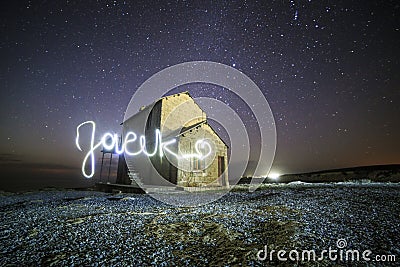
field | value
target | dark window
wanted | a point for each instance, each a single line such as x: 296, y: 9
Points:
x: 198, y: 164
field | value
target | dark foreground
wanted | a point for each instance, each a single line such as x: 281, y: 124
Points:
x: 65, y: 228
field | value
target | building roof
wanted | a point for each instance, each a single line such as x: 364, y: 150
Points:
x: 150, y: 106
x: 181, y: 131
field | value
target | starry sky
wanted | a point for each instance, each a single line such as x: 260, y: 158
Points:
x: 329, y: 70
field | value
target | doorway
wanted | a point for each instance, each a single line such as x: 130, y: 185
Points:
x: 221, y: 169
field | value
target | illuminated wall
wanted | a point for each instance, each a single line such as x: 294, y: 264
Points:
x: 178, y: 117
x: 210, y: 174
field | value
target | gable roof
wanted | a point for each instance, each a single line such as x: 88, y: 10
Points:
x: 150, y: 106
x: 181, y: 131
x: 186, y: 129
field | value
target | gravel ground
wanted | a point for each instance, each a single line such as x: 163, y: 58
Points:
x: 84, y: 228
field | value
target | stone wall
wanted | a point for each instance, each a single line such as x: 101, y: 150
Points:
x: 208, y: 176
x: 179, y: 110
x: 170, y: 114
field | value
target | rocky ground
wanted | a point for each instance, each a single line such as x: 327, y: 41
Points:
x: 84, y: 228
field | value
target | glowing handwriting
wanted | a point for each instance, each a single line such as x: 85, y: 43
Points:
x: 110, y: 143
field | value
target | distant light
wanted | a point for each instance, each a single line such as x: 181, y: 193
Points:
x: 274, y: 175
x: 234, y: 65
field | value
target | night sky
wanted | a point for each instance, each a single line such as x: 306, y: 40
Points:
x: 329, y: 70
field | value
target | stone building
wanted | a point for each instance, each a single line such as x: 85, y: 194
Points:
x: 183, y: 125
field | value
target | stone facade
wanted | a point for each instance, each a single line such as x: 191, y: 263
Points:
x: 179, y: 117
x: 178, y: 111
x: 211, y: 173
